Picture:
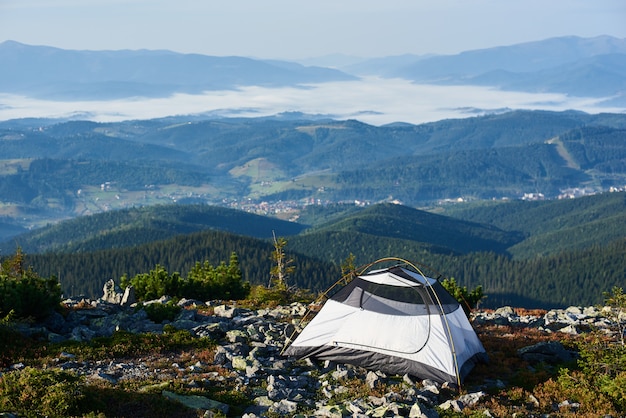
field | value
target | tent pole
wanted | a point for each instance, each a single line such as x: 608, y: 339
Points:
x: 445, y: 320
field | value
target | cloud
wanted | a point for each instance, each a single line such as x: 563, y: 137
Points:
x: 371, y: 100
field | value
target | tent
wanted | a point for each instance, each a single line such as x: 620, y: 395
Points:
x: 397, y: 321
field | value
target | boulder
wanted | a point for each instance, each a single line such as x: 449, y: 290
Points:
x: 129, y: 296
x: 551, y: 352
x: 112, y: 293
x: 197, y: 402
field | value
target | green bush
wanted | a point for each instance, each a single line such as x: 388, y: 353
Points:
x: 468, y: 300
x: 37, y: 393
x: 158, y: 282
x: 159, y: 312
x: 204, y: 282
x: 23, y: 292
x: 261, y: 296
x: 602, y: 365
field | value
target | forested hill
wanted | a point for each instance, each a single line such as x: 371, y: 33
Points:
x: 51, y: 171
x: 553, y: 226
x: 132, y: 227
x: 519, y: 228
x: 565, y: 251
x: 404, y: 223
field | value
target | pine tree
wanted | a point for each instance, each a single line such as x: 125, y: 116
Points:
x: 283, y: 265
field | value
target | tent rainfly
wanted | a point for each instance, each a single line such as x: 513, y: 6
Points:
x: 397, y: 321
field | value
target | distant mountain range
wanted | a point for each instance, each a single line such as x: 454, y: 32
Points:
x: 594, y: 67
x: 51, y: 171
x: 53, y: 73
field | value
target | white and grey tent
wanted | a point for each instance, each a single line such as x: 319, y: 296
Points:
x: 397, y: 321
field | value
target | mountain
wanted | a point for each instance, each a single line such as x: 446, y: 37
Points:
x: 53, y: 73
x: 523, y: 58
x: 50, y: 172
x: 593, y: 67
x: 575, y: 66
x: 524, y: 229
x: 597, y: 76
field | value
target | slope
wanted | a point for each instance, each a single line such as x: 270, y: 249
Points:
x: 85, y: 273
x: 553, y: 226
x: 132, y: 227
x: 562, y: 277
x: 404, y: 223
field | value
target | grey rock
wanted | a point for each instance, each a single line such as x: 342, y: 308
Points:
x: 185, y: 324
x: 129, y: 296
x: 331, y: 411
x: 372, y: 379
x: 112, y: 293
x: 225, y: 311
x: 550, y: 352
x: 236, y: 336
x: 190, y: 303
x: 239, y: 363
x: 253, y: 370
x: 420, y: 411
x: 408, y: 380
x: 569, y: 405
x: 249, y: 345
x: 452, y: 404
x: 284, y: 407
x: 341, y: 373
x: 196, y: 402
x: 104, y: 376
x: 471, y: 399
x: 214, y: 330
x: 82, y: 333
x: 505, y: 311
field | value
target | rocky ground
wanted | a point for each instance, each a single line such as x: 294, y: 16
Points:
x: 248, y: 358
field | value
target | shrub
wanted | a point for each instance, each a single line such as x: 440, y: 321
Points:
x: 158, y: 282
x: 616, y: 305
x: 31, y: 392
x: 266, y: 296
x: 204, y: 282
x: 23, y: 292
x: 600, y: 383
x: 159, y: 312
x: 468, y: 300
x: 261, y: 296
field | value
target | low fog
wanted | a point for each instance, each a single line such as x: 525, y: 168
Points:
x: 373, y: 101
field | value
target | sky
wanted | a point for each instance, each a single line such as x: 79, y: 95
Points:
x: 295, y: 29
x: 301, y: 30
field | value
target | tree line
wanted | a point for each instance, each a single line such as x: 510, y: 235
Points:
x: 569, y: 278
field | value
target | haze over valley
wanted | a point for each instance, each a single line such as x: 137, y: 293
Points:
x: 46, y: 82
